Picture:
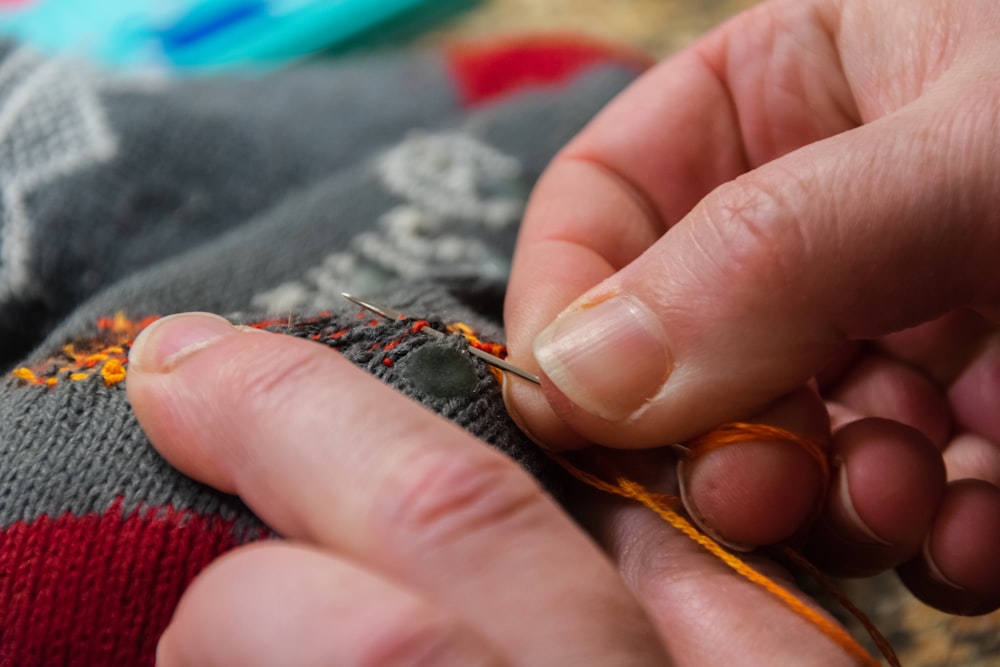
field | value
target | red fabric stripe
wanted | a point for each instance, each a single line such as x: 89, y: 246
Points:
x: 488, y: 71
x: 99, y: 589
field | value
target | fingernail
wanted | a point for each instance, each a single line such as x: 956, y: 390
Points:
x: 164, y: 344
x: 851, y: 513
x: 608, y: 358
x: 934, y: 571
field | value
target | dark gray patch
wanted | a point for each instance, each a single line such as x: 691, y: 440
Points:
x: 440, y: 371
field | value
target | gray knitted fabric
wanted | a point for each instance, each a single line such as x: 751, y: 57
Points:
x: 261, y: 199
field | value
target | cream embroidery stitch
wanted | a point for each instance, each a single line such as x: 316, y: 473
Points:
x: 455, y: 192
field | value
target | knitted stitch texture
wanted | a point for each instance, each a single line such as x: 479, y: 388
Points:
x: 260, y: 198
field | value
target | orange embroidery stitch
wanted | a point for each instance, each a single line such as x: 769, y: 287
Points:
x: 113, y: 372
x: 419, y: 325
x: 25, y: 374
x: 105, y: 354
x: 496, y: 349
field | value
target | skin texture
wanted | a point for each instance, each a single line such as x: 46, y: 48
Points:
x: 805, y: 197
x: 794, y: 221
x: 409, y: 542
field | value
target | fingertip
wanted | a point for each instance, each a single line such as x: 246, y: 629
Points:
x: 168, y: 341
x: 887, y: 486
x: 532, y: 412
x: 956, y: 570
x: 776, y: 478
x: 156, y: 398
x: 894, y: 477
x: 754, y: 494
x: 186, y: 366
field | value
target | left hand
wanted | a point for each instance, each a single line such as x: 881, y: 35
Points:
x: 410, y: 542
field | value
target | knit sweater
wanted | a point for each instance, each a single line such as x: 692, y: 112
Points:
x: 396, y: 176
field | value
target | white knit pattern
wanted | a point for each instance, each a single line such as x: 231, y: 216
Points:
x: 51, y: 124
x: 453, y: 188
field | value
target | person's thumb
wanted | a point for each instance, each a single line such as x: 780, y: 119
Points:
x: 868, y: 232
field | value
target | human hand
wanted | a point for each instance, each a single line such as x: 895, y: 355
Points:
x: 408, y: 541
x: 808, y: 191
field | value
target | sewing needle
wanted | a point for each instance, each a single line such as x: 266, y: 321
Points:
x: 492, y: 360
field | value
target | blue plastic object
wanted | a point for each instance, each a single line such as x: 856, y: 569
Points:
x: 200, y: 35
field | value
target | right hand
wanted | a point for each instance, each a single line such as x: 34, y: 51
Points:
x: 816, y: 182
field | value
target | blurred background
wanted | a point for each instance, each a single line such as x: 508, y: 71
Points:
x: 189, y: 37
x: 656, y: 27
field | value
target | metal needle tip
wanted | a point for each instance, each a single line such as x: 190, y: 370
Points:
x: 387, y: 313
x: 504, y: 365
x: 492, y: 360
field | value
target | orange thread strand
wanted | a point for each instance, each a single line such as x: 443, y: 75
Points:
x: 827, y: 585
x: 730, y: 434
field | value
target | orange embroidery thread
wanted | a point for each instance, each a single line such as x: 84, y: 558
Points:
x: 496, y: 349
x: 105, y: 354
x: 731, y: 434
x: 25, y: 374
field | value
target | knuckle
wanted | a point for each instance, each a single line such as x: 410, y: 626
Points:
x: 756, y: 229
x: 449, y: 495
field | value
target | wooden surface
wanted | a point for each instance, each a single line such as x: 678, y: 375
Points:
x: 657, y: 27
x: 921, y: 636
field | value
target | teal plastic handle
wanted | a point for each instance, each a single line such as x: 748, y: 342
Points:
x: 205, y: 35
